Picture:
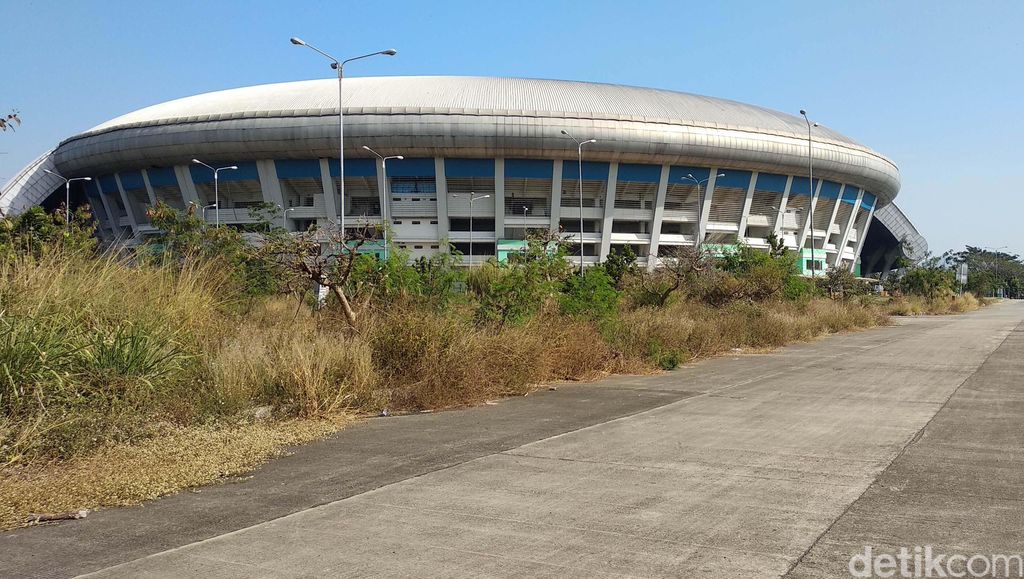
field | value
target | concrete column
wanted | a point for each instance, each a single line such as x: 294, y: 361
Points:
x: 330, y: 197
x: 115, y: 227
x: 862, y: 235
x: 845, y: 238
x: 805, y: 230
x: 269, y: 184
x: 609, y: 213
x: 556, y: 195
x: 127, y: 206
x: 705, y: 214
x: 742, y: 235
x: 149, y: 189
x: 188, y: 188
x: 781, y: 217
x: 659, y: 215
x: 499, y: 199
x: 835, y: 211
x: 441, y: 184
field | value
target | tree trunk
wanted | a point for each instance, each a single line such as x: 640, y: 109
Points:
x: 346, y: 307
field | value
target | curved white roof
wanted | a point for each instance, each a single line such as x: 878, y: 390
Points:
x: 473, y: 95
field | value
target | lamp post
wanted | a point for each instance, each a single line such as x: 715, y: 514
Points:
x: 810, y: 190
x: 284, y: 216
x: 385, y: 197
x: 525, y: 209
x: 699, y: 239
x: 67, y: 192
x: 339, y: 65
x: 205, y: 207
x: 216, y: 188
x: 472, y: 198
x: 579, y: 158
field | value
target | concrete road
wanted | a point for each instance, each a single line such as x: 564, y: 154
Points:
x: 771, y: 465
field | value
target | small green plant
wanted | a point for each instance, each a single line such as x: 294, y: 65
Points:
x: 592, y: 295
x: 620, y: 264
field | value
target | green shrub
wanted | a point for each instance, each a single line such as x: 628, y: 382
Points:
x: 620, y: 264
x: 799, y: 288
x: 591, y: 295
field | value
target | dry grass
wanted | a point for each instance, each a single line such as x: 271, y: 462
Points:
x: 917, y: 305
x: 686, y: 331
x: 123, y: 383
x: 128, y: 474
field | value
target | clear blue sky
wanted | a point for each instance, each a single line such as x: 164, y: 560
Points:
x: 936, y: 86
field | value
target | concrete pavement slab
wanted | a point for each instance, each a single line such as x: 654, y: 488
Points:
x: 744, y: 479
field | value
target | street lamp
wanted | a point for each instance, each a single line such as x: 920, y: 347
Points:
x: 810, y: 185
x: 525, y: 209
x: 579, y: 157
x: 699, y: 240
x: 385, y: 197
x: 205, y: 207
x: 67, y: 192
x: 472, y: 198
x: 284, y: 216
x: 339, y: 65
x: 216, y: 188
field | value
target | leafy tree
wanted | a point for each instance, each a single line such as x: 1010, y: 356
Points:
x: 929, y: 279
x: 183, y: 236
x: 432, y: 279
x: 592, y: 295
x: 989, y: 271
x: 762, y: 275
x: 840, y: 282
x: 619, y: 264
x: 776, y: 245
x: 509, y: 293
x: 36, y: 232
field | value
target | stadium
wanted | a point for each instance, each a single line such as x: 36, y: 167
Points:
x: 485, y: 160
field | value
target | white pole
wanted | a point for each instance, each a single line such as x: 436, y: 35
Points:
x: 67, y: 202
x: 341, y: 149
x: 471, y: 229
x: 216, y: 197
x: 384, y: 205
x: 810, y: 184
x: 579, y: 157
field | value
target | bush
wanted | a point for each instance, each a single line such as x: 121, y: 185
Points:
x: 620, y: 264
x: 591, y: 295
x: 799, y: 288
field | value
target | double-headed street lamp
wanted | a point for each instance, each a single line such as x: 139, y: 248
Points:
x: 339, y: 65
x: 67, y: 192
x: 579, y: 157
x: 385, y: 219
x: 216, y: 188
x: 699, y: 238
x: 473, y: 197
x: 810, y: 181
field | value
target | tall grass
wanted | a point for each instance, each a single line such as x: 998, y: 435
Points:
x: 911, y: 305
x: 101, y: 351
x: 685, y: 330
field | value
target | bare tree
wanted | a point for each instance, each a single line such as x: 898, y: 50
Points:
x: 9, y: 121
x: 322, y: 256
x: 678, y: 265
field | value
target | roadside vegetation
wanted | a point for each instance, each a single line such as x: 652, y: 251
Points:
x: 127, y: 375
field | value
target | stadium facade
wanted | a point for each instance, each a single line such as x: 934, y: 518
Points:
x: 502, y: 140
